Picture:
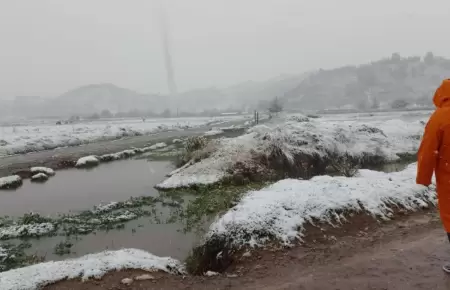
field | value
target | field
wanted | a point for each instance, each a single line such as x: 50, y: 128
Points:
x: 42, y: 135
x: 234, y: 196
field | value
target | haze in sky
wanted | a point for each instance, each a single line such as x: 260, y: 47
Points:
x: 51, y: 46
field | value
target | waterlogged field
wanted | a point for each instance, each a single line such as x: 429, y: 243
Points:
x: 116, y: 206
x: 109, y: 207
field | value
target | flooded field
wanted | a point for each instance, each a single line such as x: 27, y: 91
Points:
x: 164, y: 224
x: 71, y: 191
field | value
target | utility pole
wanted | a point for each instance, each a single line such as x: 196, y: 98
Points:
x: 165, y: 35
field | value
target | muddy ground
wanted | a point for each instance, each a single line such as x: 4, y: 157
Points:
x: 405, y: 254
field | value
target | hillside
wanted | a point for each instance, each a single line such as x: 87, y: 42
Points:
x: 413, y: 79
x: 95, y: 98
x: 407, y: 81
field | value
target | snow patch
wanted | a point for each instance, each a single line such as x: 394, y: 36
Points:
x: 12, y: 181
x: 214, y: 168
x: 39, y: 177
x: 213, y: 132
x: 87, y: 161
x: 45, y: 170
x: 157, y: 146
x: 280, y: 211
x: 16, y: 231
x: 93, y: 265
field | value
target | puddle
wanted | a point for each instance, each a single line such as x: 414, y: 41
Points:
x: 76, y: 190
x: 73, y: 190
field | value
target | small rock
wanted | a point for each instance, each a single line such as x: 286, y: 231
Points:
x: 144, y: 277
x: 211, y: 273
x: 126, y: 281
x: 232, y: 275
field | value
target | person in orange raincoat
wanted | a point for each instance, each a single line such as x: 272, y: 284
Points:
x: 434, y: 154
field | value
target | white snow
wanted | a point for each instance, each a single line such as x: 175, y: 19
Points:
x: 87, y: 161
x: 211, y: 274
x: 281, y: 210
x: 39, y: 176
x: 93, y: 265
x: 8, y: 181
x: 144, y: 277
x: 157, y: 146
x: 38, y: 135
x: 46, y: 170
x: 213, y: 132
x: 105, y: 207
x: 315, y: 137
x: 15, y: 231
x: 212, y: 169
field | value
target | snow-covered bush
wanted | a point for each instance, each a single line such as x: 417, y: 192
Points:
x: 298, y: 149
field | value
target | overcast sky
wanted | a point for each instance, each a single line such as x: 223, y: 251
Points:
x: 50, y: 46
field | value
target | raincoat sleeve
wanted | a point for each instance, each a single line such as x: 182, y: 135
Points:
x: 429, y: 150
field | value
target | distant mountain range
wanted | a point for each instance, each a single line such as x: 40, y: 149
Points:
x: 378, y: 84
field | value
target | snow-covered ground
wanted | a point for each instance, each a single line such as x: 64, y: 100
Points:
x: 280, y: 211
x: 294, y: 135
x: 89, y: 266
x: 36, y: 137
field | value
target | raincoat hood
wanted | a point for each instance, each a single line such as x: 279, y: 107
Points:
x: 442, y: 94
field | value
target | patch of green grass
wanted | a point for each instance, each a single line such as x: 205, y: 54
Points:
x: 209, y: 202
x: 13, y: 256
x: 33, y: 218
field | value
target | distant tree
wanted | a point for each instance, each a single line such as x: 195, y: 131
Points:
x: 74, y: 119
x: 375, y: 104
x: 396, y: 57
x: 275, y: 106
x: 366, y: 76
x: 363, y: 105
x: 94, y: 116
x: 399, y: 104
x: 166, y: 113
x: 106, y: 114
x: 429, y: 58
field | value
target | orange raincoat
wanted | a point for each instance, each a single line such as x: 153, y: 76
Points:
x: 434, y: 152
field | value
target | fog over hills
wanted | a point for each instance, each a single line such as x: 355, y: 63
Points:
x: 410, y: 81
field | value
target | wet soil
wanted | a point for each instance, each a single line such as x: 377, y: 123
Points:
x: 406, y: 254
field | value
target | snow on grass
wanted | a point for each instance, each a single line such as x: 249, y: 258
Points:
x: 89, y: 266
x: 157, y: 146
x: 87, y: 161
x: 34, y: 229
x: 9, y: 182
x: 294, y: 137
x: 106, y: 207
x: 45, y: 170
x: 214, y: 168
x: 280, y: 211
x: 39, y: 177
x: 39, y: 136
x: 213, y: 132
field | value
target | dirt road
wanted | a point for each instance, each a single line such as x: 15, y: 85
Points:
x: 407, y: 254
